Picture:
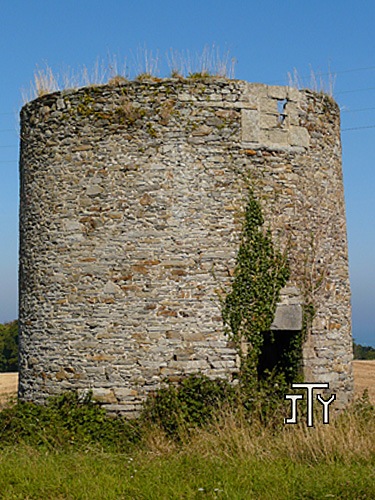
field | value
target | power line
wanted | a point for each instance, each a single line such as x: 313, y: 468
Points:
x: 354, y: 90
x: 331, y: 74
x: 352, y: 70
x: 355, y: 110
x: 357, y: 128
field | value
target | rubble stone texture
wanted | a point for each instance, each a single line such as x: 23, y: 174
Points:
x: 130, y: 215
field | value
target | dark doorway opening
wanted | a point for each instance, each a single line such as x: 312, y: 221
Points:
x: 276, y: 353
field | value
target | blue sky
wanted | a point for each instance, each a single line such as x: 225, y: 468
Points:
x: 269, y: 39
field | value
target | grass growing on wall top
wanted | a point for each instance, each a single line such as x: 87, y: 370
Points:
x: 144, y: 64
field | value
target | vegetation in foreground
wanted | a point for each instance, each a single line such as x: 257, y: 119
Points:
x: 69, y: 449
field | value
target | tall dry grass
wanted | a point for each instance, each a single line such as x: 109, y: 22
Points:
x: 144, y: 63
x: 232, y: 458
x: 46, y: 80
x: 317, y: 81
x: 348, y: 438
x: 212, y: 61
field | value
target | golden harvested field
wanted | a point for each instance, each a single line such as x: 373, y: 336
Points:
x: 8, y: 386
x: 364, y: 377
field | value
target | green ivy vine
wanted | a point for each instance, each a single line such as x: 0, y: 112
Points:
x: 260, y: 273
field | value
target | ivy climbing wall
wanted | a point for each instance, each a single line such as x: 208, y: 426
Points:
x: 131, y: 205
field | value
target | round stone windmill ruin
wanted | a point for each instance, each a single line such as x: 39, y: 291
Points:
x: 129, y: 219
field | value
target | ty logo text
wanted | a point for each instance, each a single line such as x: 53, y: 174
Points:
x: 310, y: 388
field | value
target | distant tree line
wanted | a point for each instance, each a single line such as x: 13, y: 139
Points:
x: 9, y: 347
x: 363, y: 352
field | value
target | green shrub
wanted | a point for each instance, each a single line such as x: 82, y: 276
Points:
x: 65, y: 420
x: 191, y: 402
x: 194, y: 400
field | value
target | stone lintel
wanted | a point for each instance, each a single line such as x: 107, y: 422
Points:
x: 287, y: 317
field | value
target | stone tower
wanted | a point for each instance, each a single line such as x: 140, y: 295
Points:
x: 129, y: 222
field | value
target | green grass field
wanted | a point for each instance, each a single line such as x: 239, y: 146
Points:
x: 94, y: 475
x: 230, y: 458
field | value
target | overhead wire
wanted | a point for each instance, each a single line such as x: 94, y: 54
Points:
x: 357, y: 128
x: 355, y: 110
x: 319, y: 75
x: 352, y: 91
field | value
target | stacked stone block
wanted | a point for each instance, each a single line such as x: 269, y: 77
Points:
x: 130, y: 215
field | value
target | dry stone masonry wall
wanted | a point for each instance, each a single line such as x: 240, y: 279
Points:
x: 130, y: 213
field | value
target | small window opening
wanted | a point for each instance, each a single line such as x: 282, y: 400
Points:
x: 281, y: 110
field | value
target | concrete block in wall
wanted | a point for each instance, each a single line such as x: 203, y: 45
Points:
x: 250, y: 125
x: 278, y: 136
x: 299, y: 136
x: 292, y: 111
x: 256, y: 90
x: 293, y: 94
x: 250, y: 99
x: 268, y: 105
x: 268, y: 121
x: 277, y: 92
x: 288, y: 317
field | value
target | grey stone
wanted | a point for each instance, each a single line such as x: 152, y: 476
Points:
x: 299, y: 136
x: 111, y: 288
x: 130, y: 230
x: 250, y: 125
x: 288, y: 317
x: 94, y: 190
